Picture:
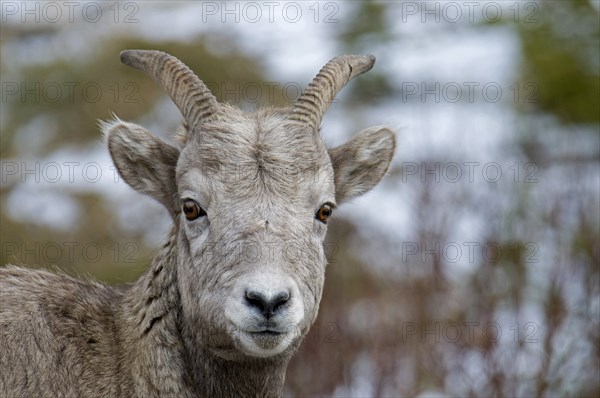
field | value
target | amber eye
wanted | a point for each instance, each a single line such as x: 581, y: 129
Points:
x: 192, y: 210
x: 324, y: 213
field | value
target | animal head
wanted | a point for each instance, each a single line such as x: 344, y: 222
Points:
x: 250, y: 195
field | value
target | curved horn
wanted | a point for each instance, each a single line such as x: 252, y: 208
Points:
x: 188, y: 92
x: 313, y: 103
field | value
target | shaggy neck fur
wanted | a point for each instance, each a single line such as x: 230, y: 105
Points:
x: 157, y: 333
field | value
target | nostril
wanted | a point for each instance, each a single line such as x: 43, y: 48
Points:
x: 267, y: 306
x: 256, y: 299
x: 279, y: 300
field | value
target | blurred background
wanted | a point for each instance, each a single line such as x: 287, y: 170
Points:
x: 471, y: 270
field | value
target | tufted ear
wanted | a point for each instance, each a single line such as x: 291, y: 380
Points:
x: 360, y: 163
x: 145, y: 162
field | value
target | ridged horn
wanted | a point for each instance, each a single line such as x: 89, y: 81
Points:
x: 195, y: 101
x: 313, y: 103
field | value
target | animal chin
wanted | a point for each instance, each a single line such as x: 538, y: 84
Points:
x: 267, y: 339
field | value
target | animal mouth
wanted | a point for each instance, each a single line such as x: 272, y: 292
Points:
x: 267, y: 333
x: 267, y: 328
x: 264, y: 339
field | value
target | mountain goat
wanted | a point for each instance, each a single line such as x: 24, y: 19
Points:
x: 215, y: 314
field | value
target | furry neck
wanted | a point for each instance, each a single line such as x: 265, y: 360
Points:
x: 214, y: 376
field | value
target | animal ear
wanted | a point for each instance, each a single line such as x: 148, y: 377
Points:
x: 145, y: 162
x: 360, y: 163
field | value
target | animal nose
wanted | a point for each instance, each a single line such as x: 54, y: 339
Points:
x: 267, y: 305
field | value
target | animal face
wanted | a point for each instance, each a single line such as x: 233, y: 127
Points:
x: 259, y: 235
x: 250, y: 195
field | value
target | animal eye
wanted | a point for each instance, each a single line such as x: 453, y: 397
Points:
x: 324, y: 213
x: 192, y: 209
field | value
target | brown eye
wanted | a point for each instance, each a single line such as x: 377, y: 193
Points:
x: 192, y: 210
x: 324, y: 213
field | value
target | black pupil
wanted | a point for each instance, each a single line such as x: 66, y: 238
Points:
x: 189, y: 208
x: 325, y: 211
